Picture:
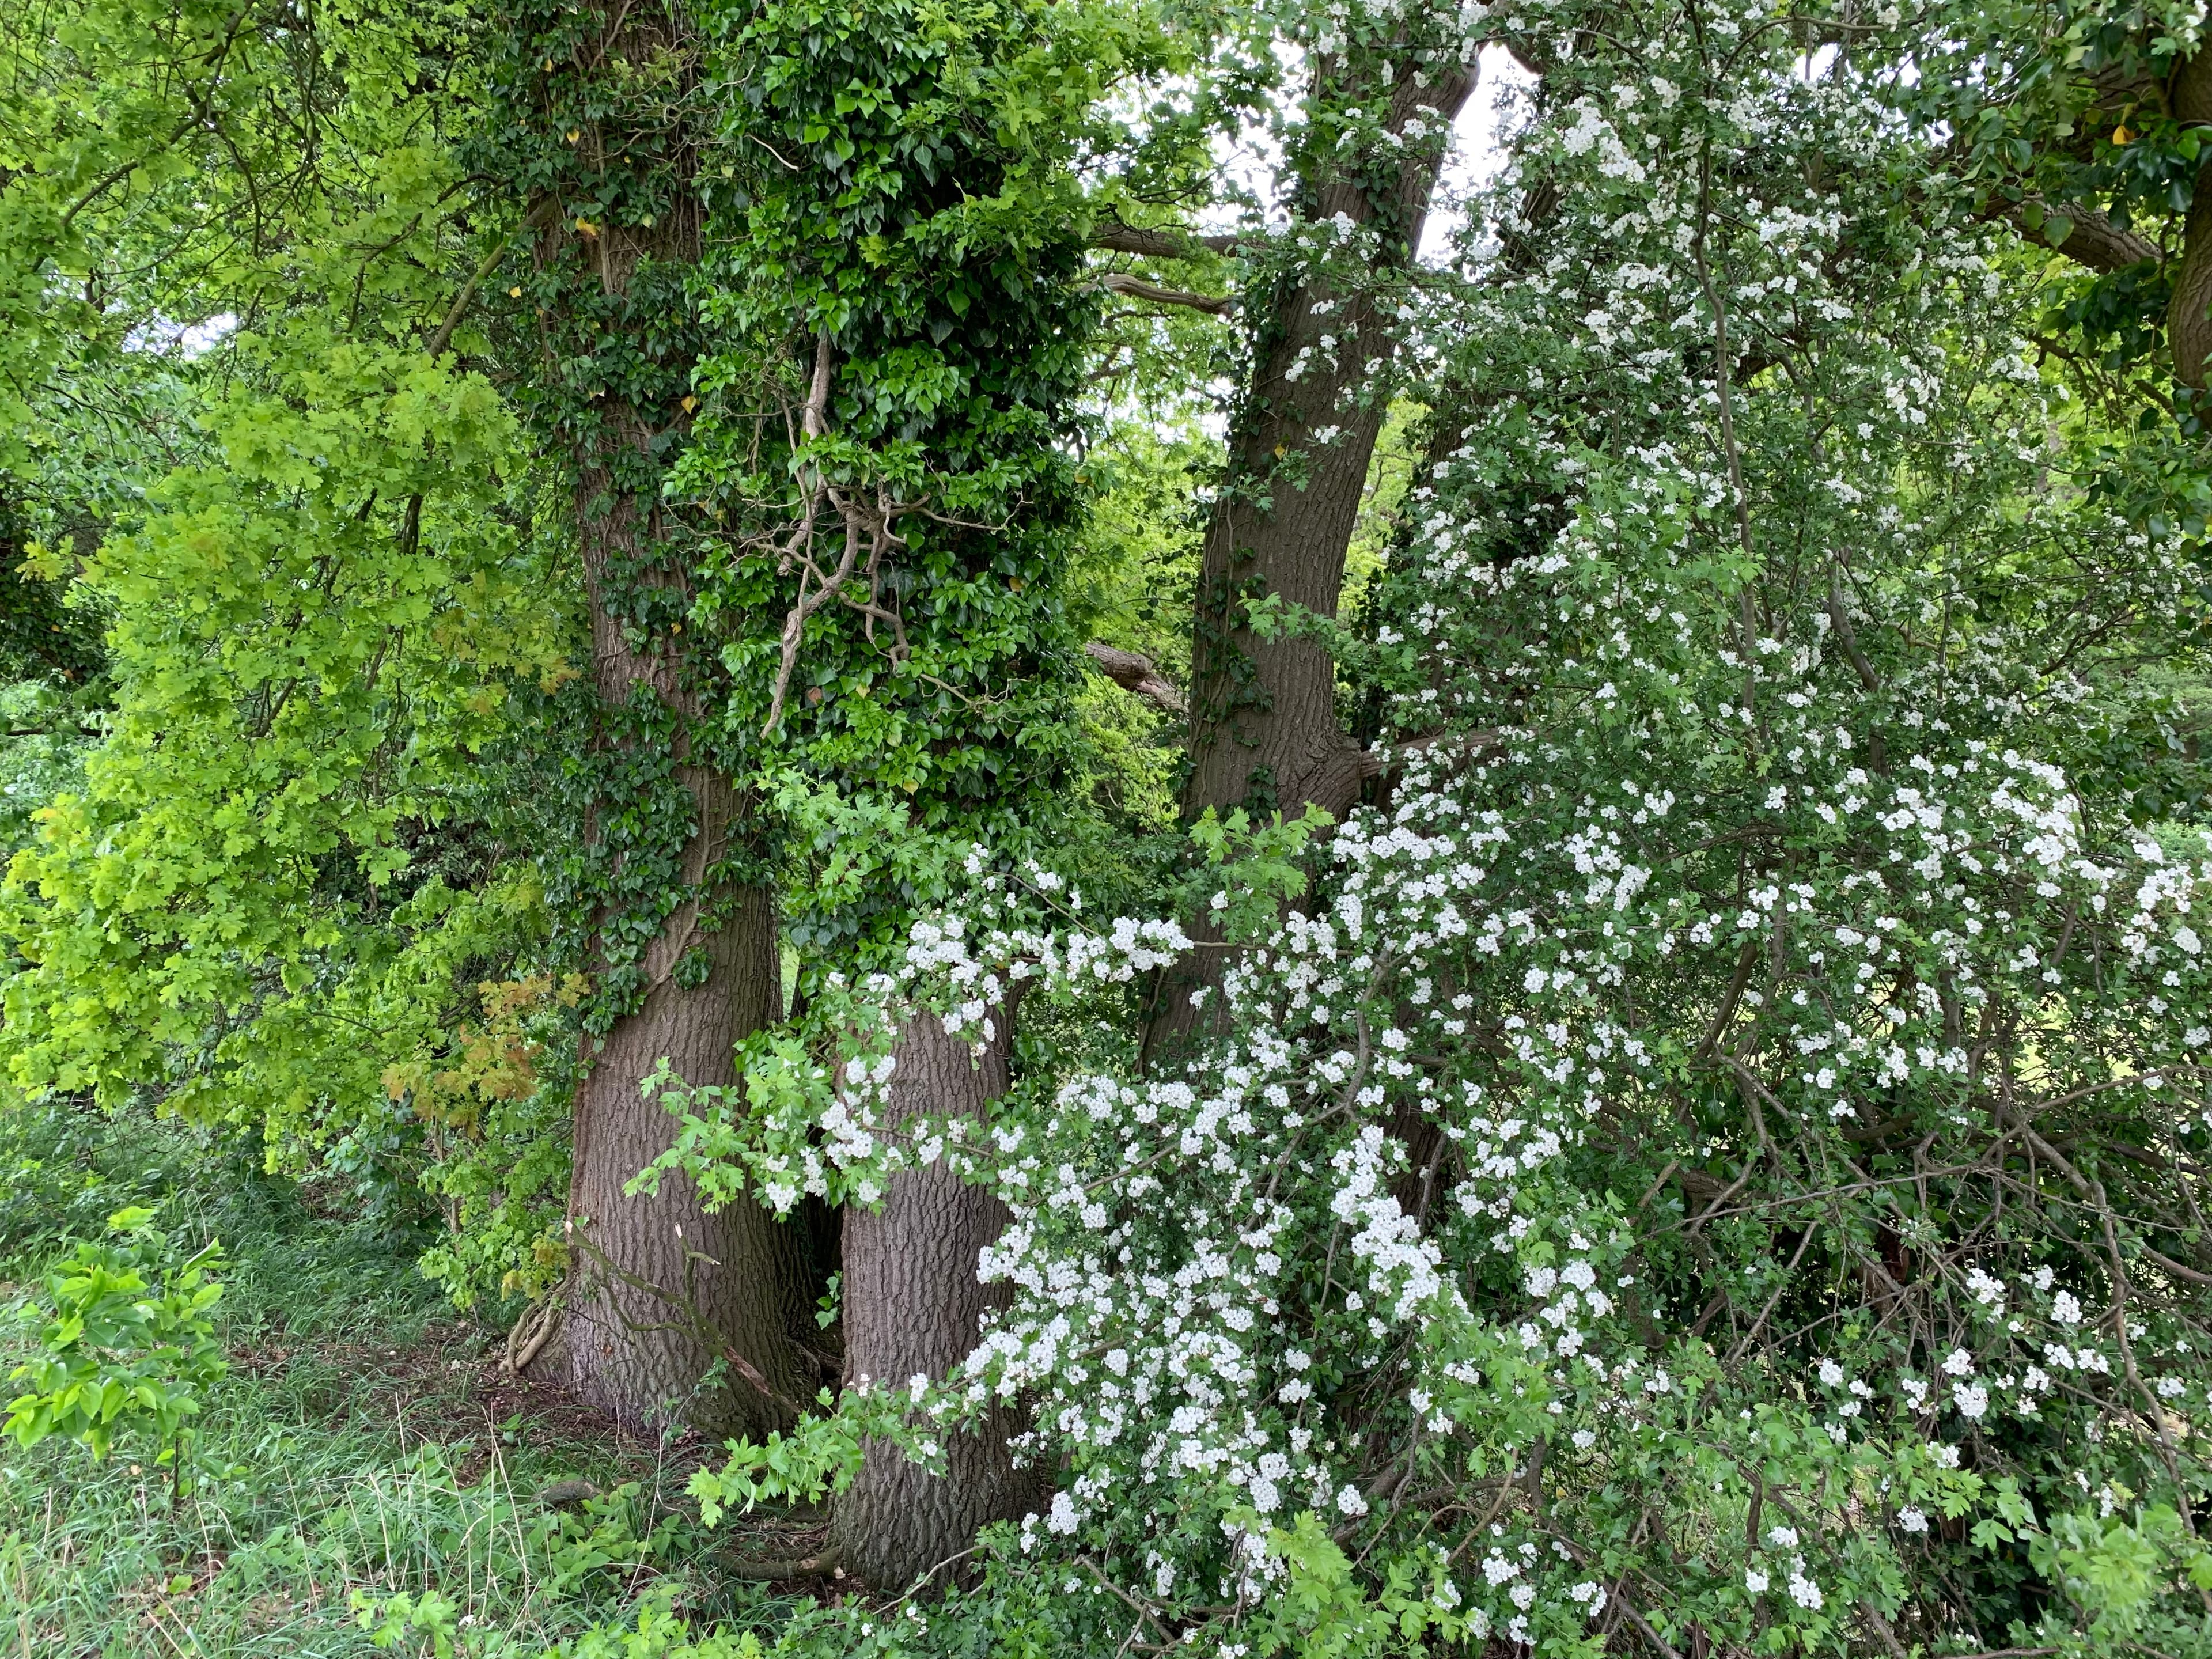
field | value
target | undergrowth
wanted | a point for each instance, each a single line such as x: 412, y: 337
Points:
x: 363, y: 1445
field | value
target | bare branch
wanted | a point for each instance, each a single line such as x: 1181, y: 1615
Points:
x: 778, y: 1572
x: 1159, y: 244
x: 794, y: 624
x: 814, y: 418
x: 2094, y: 240
x: 1136, y: 288
x: 1137, y: 675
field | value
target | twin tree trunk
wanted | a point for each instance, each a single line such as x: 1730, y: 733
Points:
x: 664, y: 1289
x: 669, y: 1288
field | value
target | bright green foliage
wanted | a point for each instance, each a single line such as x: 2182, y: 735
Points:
x: 41, y: 754
x: 208, y: 136
x: 128, y: 1342
x: 353, y: 666
x: 2114, y: 1569
x: 327, y: 608
x: 1702, y: 1156
x: 1131, y: 587
x: 822, y: 1456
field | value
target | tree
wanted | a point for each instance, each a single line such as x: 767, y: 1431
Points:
x: 1776, y: 924
x: 1324, y: 303
x: 2082, y: 129
x: 901, y: 274
x: 1693, y: 1149
x: 600, y: 131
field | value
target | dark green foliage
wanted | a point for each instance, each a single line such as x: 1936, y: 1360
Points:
x: 889, y: 212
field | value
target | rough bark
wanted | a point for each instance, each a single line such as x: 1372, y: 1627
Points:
x: 2188, y: 315
x: 730, y: 1285
x: 914, y: 1306
x: 2093, y: 241
x: 667, y: 1288
x: 1264, y: 711
x: 662, y: 1288
x: 1264, y: 731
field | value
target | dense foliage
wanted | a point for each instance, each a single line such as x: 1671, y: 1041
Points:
x: 1705, y: 1156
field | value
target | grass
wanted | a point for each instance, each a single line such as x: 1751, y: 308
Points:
x: 363, y: 1444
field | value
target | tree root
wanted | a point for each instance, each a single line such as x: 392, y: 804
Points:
x: 541, y: 1320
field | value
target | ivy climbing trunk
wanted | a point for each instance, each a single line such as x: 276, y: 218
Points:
x: 1264, y: 730
x: 915, y: 1306
x: 605, y: 112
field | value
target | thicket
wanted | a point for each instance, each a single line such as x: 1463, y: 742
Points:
x: 1229, y: 893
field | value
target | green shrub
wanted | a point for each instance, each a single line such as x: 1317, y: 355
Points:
x: 127, y: 1344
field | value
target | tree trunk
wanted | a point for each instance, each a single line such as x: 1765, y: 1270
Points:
x: 1264, y: 728
x: 662, y: 1289
x: 1264, y: 732
x: 914, y: 1306
x: 666, y: 1288
x: 2188, y: 313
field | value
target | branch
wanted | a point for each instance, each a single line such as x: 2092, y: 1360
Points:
x: 690, y: 1321
x: 1136, y: 288
x: 537, y: 218
x: 814, y: 418
x: 1137, y: 675
x: 1158, y: 244
x: 778, y: 1572
x: 2094, y: 241
x: 543, y: 1319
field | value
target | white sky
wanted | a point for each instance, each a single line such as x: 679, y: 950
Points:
x: 1478, y: 153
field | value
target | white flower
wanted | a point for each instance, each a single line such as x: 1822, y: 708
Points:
x: 2065, y: 1309
x: 1832, y: 1374
x: 1911, y: 1520
x: 1063, y: 1517
x: 1350, y: 1502
x: 1755, y: 1581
